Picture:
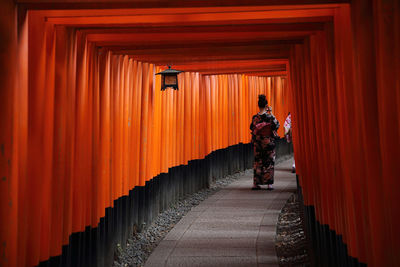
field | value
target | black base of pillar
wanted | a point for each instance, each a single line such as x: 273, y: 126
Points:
x: 326, y: 247
x: 96, y: 246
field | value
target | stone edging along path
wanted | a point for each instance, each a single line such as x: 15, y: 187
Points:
x: 291, y: 244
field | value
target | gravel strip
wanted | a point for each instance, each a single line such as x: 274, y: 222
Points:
x: 140, y: 245
x: 291, y: 245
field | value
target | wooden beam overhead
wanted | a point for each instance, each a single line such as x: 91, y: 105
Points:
x: 207, y: 37
x: 110, y: 4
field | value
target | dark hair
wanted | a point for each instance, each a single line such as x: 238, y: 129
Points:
x: 262, y: 101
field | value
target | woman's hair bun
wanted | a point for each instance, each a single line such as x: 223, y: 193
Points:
x: 262, y: 101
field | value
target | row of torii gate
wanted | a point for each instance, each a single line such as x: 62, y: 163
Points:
x: 84, y: 125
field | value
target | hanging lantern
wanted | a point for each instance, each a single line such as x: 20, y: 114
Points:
x: 169, y: 78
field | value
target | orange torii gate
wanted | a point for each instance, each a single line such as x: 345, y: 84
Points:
x: 83, y: 123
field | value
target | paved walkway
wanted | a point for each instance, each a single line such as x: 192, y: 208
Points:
x: 234, y: 227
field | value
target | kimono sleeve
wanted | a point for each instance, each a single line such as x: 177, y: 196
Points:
x: 251, y: 124
x: 275, y: 122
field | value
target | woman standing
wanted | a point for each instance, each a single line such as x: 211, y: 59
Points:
x: 262, y: 127
x: 288, y: 133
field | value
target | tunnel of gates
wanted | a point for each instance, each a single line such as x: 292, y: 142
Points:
x: 90, y: 147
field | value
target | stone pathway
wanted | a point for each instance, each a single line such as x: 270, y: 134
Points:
x: 234, y: 227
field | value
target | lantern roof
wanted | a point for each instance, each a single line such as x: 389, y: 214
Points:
x: 169, y: 71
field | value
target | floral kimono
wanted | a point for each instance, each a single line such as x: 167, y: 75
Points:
x: 288, y: 128
x: 264, y: 149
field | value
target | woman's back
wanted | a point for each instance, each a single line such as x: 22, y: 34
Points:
x: 263, y: 126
